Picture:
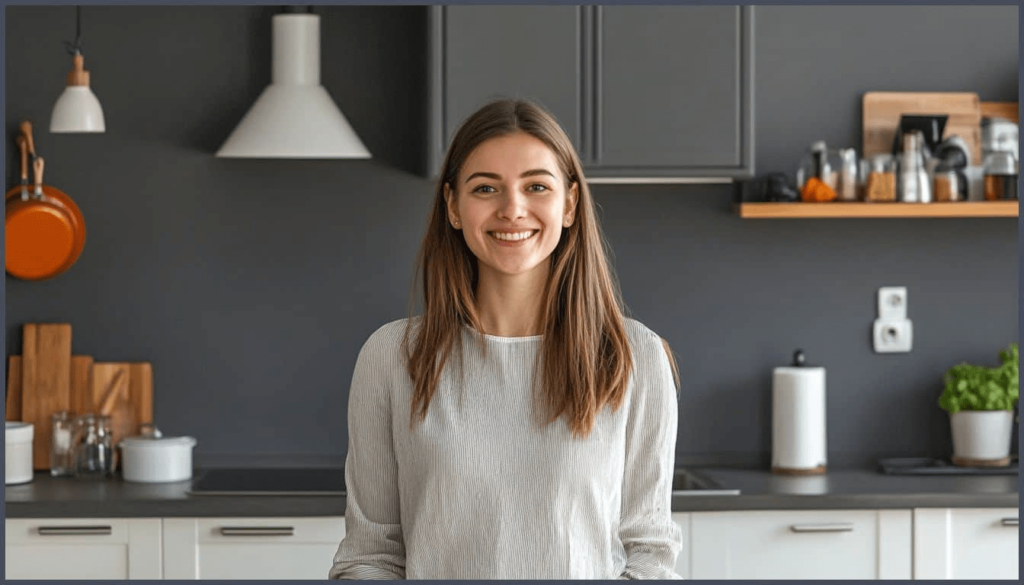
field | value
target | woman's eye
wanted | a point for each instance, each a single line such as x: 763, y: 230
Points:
x: 537, y: 188
x: 484, y: 189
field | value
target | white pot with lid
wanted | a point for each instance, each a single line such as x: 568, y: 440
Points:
x: 153, y: 458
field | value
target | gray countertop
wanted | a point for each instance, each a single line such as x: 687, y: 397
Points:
x: 48, y: 497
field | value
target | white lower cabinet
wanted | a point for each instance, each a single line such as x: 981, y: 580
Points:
x: 251, y: 548
x: 801, y: 544
x: 683, y: 560
x: 77, y: 548
x: 966, y: 543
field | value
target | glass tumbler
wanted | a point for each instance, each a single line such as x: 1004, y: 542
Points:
x: 62, y: 462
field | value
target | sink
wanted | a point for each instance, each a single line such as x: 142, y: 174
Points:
x: 687, y: 482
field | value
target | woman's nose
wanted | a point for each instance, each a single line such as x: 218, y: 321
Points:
x: 513, y: 206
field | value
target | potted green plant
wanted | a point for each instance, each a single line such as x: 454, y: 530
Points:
x: 980, y: 401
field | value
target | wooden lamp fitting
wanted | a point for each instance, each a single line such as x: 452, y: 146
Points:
x: 78, y: 75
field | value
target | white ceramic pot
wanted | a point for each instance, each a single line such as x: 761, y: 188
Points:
x: 156, y: 459
x: 981, y: 435
x: 18, y: 452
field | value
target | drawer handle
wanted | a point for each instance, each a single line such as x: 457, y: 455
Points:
x: 831, y: 527
x: 257, y: 530
x: 1011, y: 521
x: 75, y: 530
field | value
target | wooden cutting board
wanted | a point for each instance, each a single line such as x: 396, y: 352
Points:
x: 134, y: 405
x: 81, y: 386
x: 46, y: 382
x: 882, y: 111
x: 1007, y: 110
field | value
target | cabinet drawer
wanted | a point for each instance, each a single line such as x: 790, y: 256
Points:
x: 801, y: 544
x: 69, y: 531
x: 251, y: 548
x: 83, y: 548
x: 966, y: 543
x: 251, y: 530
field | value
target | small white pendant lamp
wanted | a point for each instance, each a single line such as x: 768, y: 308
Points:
x: 294, y: 117
x: 77, y: 109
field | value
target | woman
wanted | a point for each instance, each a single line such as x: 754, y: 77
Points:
x: 521, y: 427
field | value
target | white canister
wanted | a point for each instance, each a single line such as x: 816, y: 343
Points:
x: 18, y: 452
x: 152, y: 458
x: 798, y: 418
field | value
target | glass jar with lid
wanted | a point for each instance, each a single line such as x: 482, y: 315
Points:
x: 817, y: 177
x: 93, y: 446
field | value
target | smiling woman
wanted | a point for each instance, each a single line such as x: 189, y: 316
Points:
x: 522, y: 427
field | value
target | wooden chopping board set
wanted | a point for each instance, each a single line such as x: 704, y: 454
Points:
x: 47, y: 378
x: 882, y: 111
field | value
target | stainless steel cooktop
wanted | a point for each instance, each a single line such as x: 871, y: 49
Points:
x: 304, y: 481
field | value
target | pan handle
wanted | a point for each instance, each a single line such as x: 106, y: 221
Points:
x: 37, y: 166
x: 26, y: 129
x: 23, y: 149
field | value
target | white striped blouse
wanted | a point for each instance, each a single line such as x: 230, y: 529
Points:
x: 479, y: 491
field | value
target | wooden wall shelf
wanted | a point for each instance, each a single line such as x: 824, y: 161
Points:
x: 877, y: 210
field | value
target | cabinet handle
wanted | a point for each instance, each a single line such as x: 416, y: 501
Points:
x: 1011, y: 521
x: 257, y: 531
x: 75, y: 530
x: 829, y: 527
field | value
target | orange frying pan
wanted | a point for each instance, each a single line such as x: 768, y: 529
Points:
x: 45, y: 231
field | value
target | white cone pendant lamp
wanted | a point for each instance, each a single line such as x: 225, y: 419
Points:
x: 77, y: 109
x: 294, y: 117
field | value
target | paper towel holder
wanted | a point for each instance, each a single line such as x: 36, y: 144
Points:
x: 798, y: 419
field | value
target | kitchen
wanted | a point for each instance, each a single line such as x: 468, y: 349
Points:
x: 250, y: 285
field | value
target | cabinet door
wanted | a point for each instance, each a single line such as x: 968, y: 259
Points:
x: 966, y: 543
x: 79, y: 548
x: 801, y: 544
x: 672, y: 91
x: 487, y: 52
x: 683, y: 560
x: 251, y: 548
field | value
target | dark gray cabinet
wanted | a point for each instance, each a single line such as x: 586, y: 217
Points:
x: 647, y: 93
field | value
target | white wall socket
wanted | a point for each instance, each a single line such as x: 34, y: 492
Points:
x: 893, y: 336
x: 893, y: 332
x: 892, y: 303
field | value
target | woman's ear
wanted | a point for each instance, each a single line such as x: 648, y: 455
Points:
x: 571, y: 198
x: 449, y: 200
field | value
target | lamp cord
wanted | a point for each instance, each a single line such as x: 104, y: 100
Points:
x: 75, y: 48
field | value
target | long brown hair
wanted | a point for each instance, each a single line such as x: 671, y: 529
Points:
x: 585, y: 356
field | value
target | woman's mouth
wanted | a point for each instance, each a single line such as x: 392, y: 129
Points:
x: 513, y: 237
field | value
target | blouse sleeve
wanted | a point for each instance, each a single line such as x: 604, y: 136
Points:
x: 373, y: 546
x: 651, y: 538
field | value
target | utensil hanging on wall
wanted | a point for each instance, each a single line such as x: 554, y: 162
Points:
x: 45, y: 233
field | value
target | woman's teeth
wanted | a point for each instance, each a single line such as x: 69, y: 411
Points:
x: 512, y: 237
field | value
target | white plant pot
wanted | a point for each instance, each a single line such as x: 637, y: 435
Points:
x: 981, y: 435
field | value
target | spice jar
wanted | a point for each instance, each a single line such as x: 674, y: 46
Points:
x: 93, y: 446
x: 946, y: 184
x: 846, y: 188
x: 1001, y: 170
x: 881, y: 181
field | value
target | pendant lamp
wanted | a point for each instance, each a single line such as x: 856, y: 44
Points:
x: 294, y: 117
x: 77, y: 109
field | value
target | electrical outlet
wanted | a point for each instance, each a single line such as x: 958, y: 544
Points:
x: 892, y: 303
x: 893, y: 336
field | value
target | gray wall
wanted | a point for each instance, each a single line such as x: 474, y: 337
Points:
x: 251, y: 285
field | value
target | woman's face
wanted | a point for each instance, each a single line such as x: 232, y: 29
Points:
x: 511, y: 203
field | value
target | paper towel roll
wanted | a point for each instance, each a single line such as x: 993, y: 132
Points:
x: 798, y: 419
